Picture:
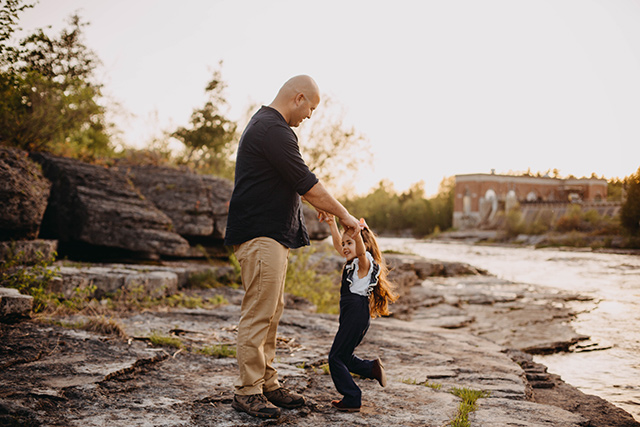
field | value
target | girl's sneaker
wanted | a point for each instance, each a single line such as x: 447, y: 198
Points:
x: 378, y: 372
x: 344, y: 408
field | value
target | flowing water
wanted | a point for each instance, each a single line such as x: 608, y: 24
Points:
x: 612, y: 319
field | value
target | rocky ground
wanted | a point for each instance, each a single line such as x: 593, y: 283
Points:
x: 472, y: 331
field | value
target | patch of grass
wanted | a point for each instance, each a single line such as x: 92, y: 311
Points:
x: 181, y: 300
x: 469, y: 404
x: 99, y: 324
x: 78, y: 324
x: 217, y: 300
x: 218, y: 351
x: 427, y: 383
x: 435, y: 386
x: 324, y: 369
x: 104, y: 325
x: 165, y: 341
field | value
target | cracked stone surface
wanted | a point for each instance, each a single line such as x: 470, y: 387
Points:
x: 443, y: 335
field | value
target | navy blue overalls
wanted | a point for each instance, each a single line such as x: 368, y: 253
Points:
x: 354, y: 323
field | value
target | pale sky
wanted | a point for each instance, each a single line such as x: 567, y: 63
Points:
x: 438, y: 88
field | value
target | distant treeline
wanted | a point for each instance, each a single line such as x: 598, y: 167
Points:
x: 407, y: 213
x: 411, y: 213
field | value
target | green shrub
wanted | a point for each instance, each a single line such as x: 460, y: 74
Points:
x: 514, y: 223
x: 203, y: 280
x: 570, y: 221
x: 31, y: 279
x: 302, y: 280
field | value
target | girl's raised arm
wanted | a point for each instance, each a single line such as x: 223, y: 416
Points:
x: 336, y: 237
x: 361, y: 253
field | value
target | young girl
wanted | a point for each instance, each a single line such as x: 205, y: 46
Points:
x: 365, y: 293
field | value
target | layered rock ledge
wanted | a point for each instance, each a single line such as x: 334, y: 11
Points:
x: 445, y: 333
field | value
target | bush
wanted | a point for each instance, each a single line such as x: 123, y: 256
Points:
x: 31, y: 280
x: 514, y: 223
x: 302, y: 280
x: 630, y: 211
x: 571, y: 221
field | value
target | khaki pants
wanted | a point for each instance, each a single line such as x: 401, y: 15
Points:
x: 263, y: 263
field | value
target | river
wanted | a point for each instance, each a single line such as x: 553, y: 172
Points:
x: 612, y: 319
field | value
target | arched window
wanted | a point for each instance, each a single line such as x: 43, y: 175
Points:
x: 489, y: 205
x: 466, y: 202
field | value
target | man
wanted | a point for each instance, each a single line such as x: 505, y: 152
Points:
x: 265, y: 221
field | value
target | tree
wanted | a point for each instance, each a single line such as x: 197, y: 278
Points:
x: 333, y: 150
x: 442, y: 203
x: 615, y: 187
x: 388, y: 212
x: 9, y: 13
x: 630, y: 211
x: 209, y: 139
x: 49, y: 98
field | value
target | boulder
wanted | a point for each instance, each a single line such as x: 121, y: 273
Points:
x: 197, y: 204
x: 95, y: 205
x: 219, y: 191
x: 24, y: 192
x: 317, y: 230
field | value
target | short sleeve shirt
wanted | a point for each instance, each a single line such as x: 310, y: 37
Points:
x: 270, y: 176
x: 362, y: 286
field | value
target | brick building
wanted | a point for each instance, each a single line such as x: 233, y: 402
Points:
x: 479, y: 197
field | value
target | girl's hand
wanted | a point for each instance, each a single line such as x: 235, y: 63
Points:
x: 326, y: 217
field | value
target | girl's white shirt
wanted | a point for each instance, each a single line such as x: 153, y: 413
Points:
x: 361, y: 286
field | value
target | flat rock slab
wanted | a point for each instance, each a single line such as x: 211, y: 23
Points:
x: 507, y: 313
x: 153, y: 280
x: 56, y: 376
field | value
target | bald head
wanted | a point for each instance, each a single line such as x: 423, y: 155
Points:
x: 297, y: 99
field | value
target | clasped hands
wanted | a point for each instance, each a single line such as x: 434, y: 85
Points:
x: 351, y: 225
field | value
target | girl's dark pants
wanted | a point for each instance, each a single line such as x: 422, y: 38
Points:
x: 354, y: 323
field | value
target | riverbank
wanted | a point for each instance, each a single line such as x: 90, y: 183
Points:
x: 610, y: 318
x: 166, y: 366
x: 572, y: 241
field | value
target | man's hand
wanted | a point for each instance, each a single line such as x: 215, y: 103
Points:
x: 351, y: 225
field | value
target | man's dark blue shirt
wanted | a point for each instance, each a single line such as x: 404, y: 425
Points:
x: 270, y: 178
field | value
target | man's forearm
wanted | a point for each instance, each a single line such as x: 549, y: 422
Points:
x: 320, y: 199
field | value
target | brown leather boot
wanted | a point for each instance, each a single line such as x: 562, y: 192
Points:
x: 256, y: 405
x: 285, y: 398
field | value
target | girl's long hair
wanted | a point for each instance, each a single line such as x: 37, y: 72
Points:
x: 384, y: 292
